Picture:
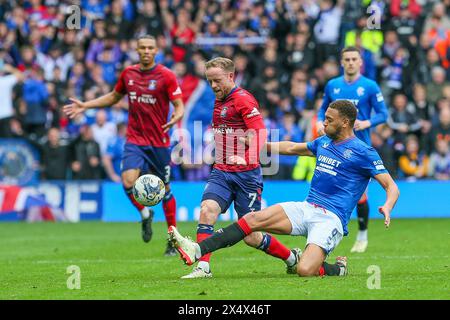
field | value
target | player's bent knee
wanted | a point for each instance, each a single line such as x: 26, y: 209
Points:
x: 305, y: 270
x: 208, y: 213
x: 128, y: 183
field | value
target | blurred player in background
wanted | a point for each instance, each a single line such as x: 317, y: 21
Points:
x: 345, y: 165
x: 236, y: 175
x: 368, y: 99
x: 150, y: 88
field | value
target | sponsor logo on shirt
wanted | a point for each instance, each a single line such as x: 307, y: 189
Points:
x: 360, y: 91
x: 325, y: 145
x: 380, y: 97
x: 336, y: 90
x: 327, y: 165
x: 223, y: 130
x: 223, y: 113
x: 145, y: 98
x: 379, y: 165
x: 152, y: 84
x: 354, y: 101
x: 178, y: 91
x: 254, y: 112
x: 348, y: 154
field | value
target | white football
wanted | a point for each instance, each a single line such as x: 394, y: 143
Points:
x: 149, y: 190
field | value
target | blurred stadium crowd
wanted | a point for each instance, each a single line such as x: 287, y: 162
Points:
x: 284, y: 50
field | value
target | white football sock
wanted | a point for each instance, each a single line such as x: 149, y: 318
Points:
x: 198, y: 254
x: 204, y: 266
x: 145, y: 213
x: 362, y: 235
x: 291, y: 260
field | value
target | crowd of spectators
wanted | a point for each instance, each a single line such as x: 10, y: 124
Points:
x: 284, y: 50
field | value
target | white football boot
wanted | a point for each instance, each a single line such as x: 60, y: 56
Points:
x: 185, y: 246
x: 196, y: 273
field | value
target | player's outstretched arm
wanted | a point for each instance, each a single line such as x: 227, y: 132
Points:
x: 289, y: 148
x: 176, y: 116
x: 77, y: 106
x: 392, y: 194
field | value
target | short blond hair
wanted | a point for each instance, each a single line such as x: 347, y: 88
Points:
x: 222, y: 63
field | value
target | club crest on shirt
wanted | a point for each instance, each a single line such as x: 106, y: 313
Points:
x: 223, y: 113
x: 360, y: 91
x: 348, y: 154
x: 152, y: 85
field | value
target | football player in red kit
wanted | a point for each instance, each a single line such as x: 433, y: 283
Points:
x: 239, y: 135
x: 150, y: 88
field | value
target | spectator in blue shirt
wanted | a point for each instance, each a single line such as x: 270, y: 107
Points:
x: 113, y: 156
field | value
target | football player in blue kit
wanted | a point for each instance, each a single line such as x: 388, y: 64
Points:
x: 368, y: 99
x: 344, y: 167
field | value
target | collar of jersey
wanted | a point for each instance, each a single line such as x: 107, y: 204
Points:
x: 344, y: 141
x: 147, y: 70
x: 232, y: 90
x: 353, y: 82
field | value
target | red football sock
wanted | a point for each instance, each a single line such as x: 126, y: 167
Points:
x: 130, y: 196
x: 244, y: 226
x: 277, y: 249
x: 200, y: 238
x: 170, y: 209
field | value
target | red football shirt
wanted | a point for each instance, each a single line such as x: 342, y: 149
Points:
x: 149, y: 93
x: 233, y: 118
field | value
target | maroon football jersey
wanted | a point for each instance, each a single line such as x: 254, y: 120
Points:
x: 232, y: 119
x: 149, y: 93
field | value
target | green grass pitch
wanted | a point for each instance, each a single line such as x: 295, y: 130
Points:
x: 413, y: 258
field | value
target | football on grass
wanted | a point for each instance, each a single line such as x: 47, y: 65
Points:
x: 149, y: 190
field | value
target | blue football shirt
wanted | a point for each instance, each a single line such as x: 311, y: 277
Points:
x: 365, y: 95
x: 342, y: 173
